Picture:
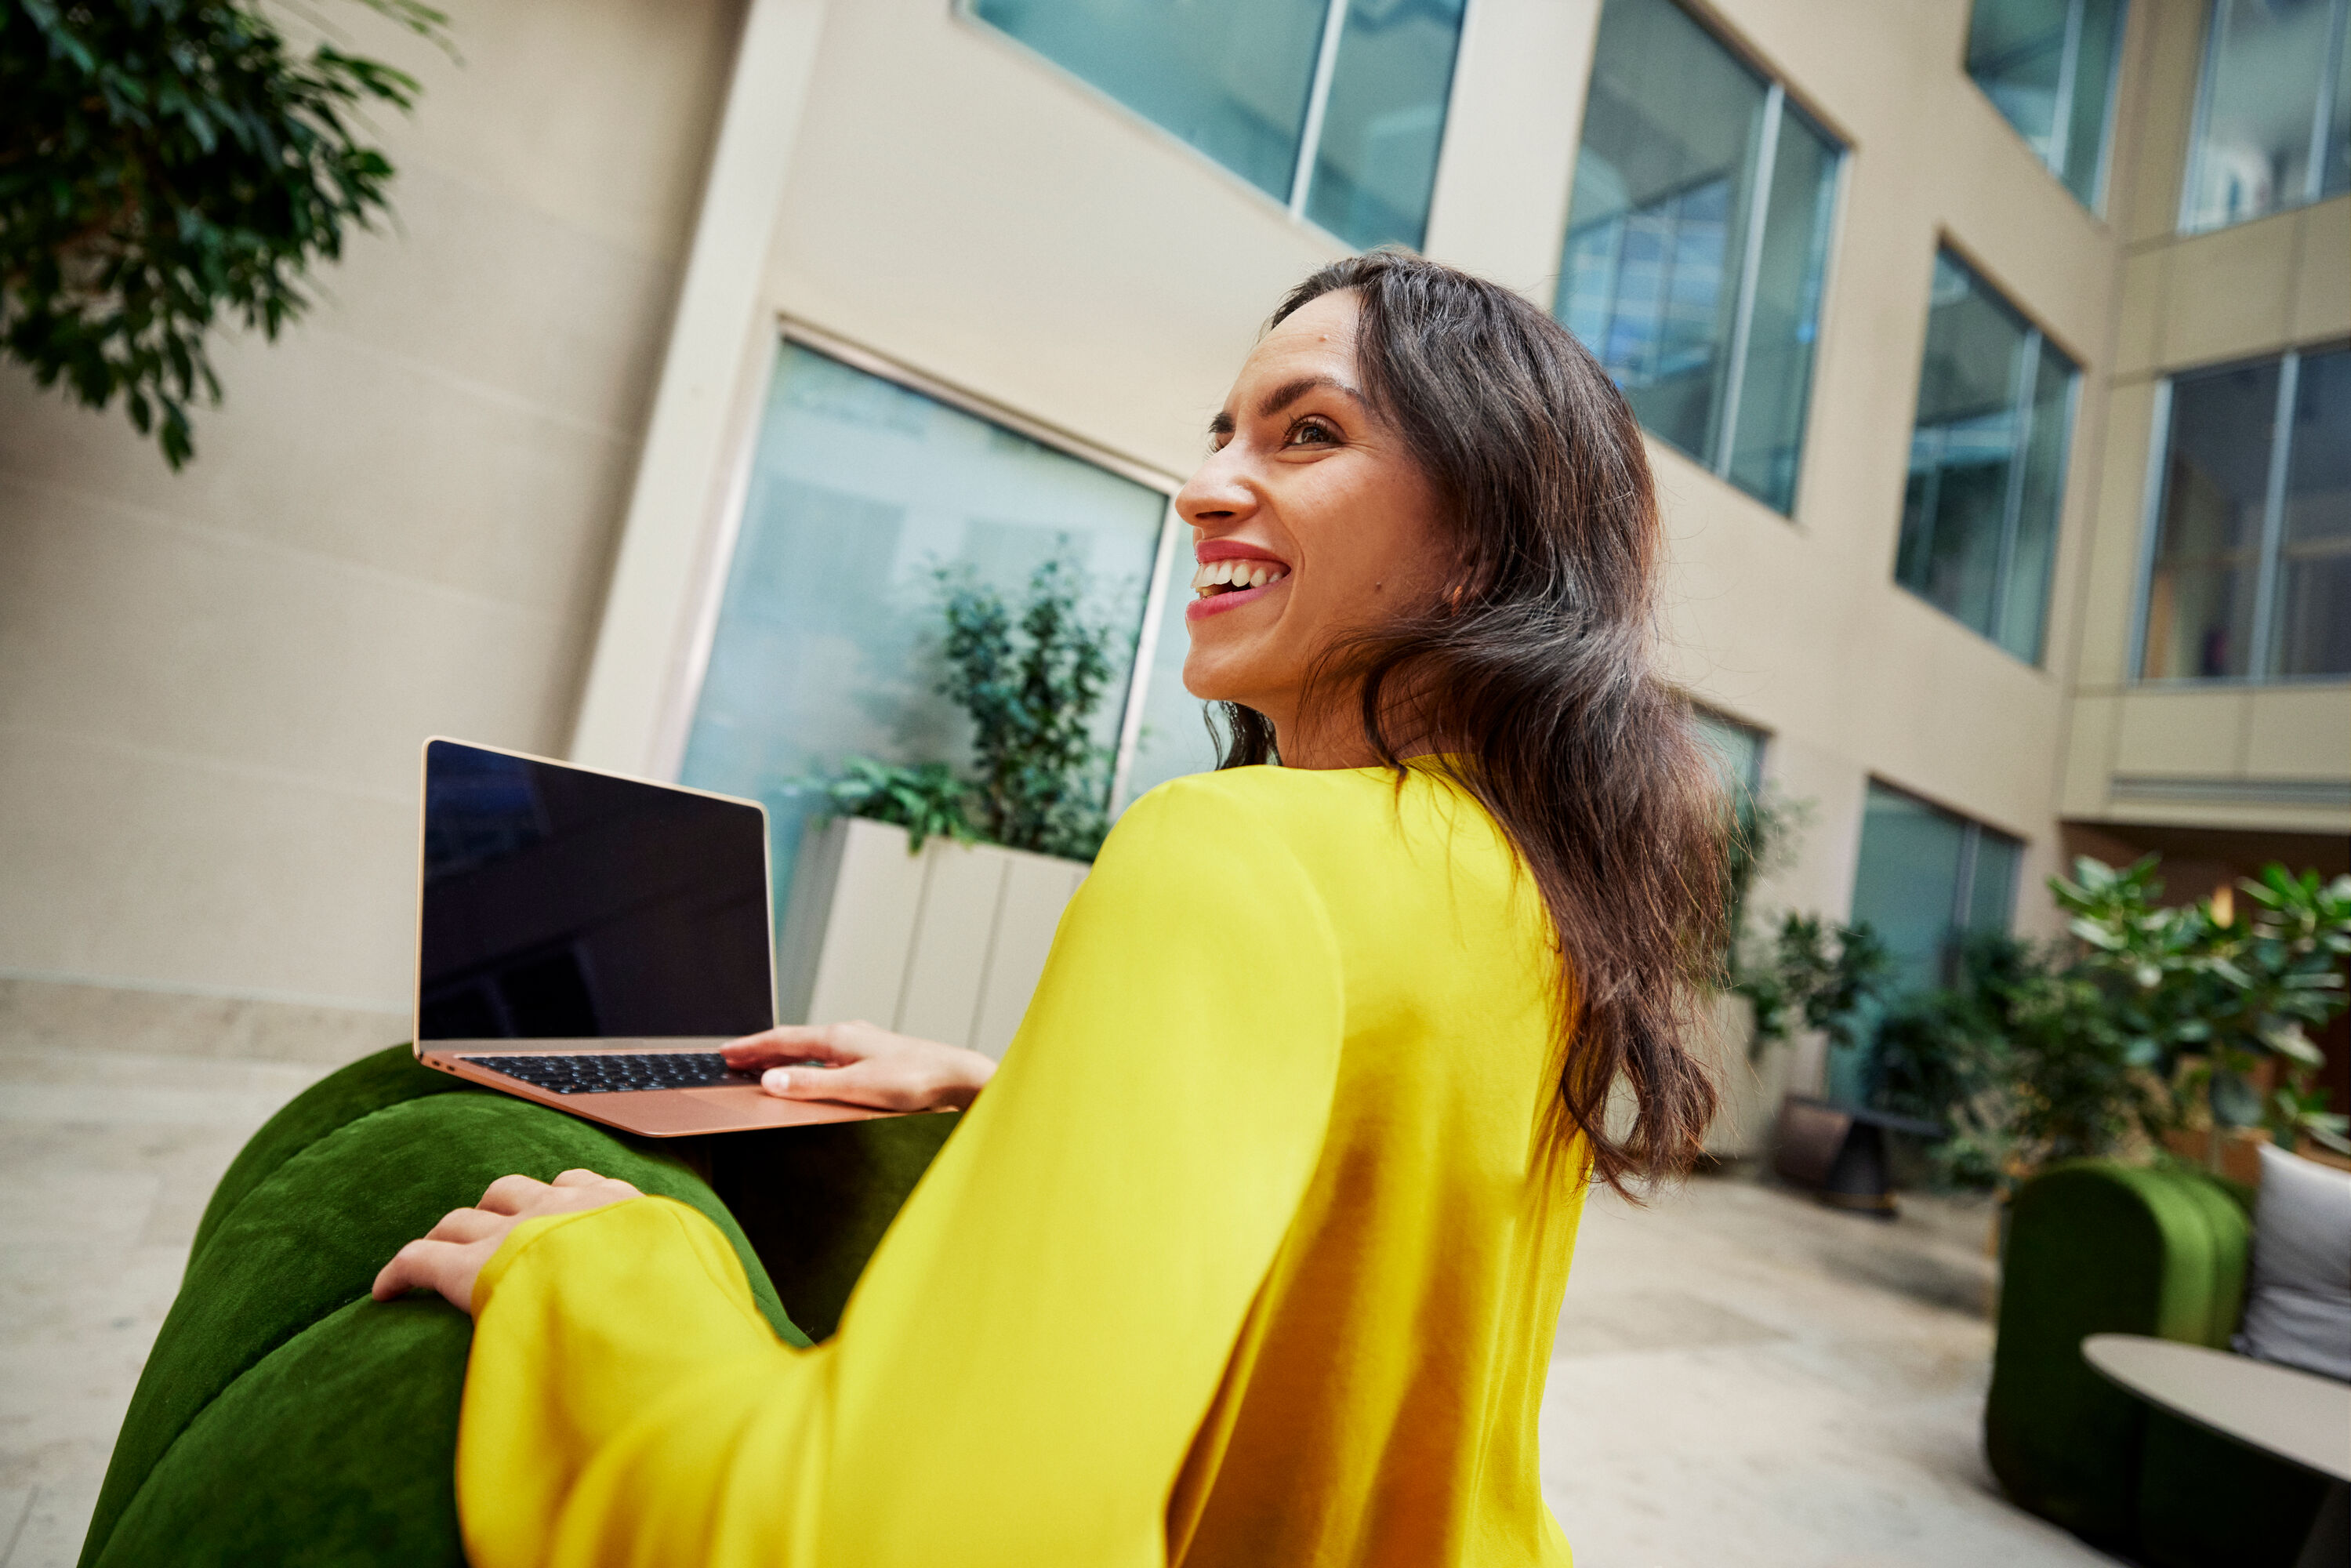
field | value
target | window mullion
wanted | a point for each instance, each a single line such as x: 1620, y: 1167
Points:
x: 2258, y: 654
x: 2216, y: 26
x: 1147, y: 654
x: 2069, y: 60
x: 1317, y: 102
x: 2313, y: 174
x: 2019, y: 409
x: 1751, y: 266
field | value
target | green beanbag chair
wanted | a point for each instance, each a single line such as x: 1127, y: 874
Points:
x: 283, y: 1417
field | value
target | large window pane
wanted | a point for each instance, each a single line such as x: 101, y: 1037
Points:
x: 1785, y: 314
x: 2048, y: 66
x: 1906, y: 885
x: 826, y: 636
x: 1230, y: 76
x: 2199, y: 604
x: 1927, y: 876
x: 2270, y: 68
x: 2314, y: 569
x: 1376, y: 162
x: 1737, y: 748
x: 2024, y: 590
x: 1686, y: 150
x: 1236, y: 79
x: 1987, y: 463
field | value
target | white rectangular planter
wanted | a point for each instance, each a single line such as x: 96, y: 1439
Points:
x: 946, y: 944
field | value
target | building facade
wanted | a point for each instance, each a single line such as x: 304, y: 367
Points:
x: 708, y: 332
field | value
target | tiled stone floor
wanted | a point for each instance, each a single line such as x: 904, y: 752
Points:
x: 1741, y: 1377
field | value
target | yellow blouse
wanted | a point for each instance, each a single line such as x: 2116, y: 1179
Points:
x: 1250, y: 1254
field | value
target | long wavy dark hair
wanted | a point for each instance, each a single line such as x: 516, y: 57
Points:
x: 1535, y: 672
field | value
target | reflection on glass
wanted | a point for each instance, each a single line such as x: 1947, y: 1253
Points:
x: 1737, y: 748
x: 2271, y: 95
x: 1685, y: 152
x: 825, y: 644
x: 2048, y: 66
x: 1987, y: 463
x: 2314, y: 567
x: 1925, y: 877
x: 2200, y: 605
x: 1236, y: 79
x: 1230, y: 76
x: 1905, y: 884
x: 1376, y: 161
x: 1775, y: 378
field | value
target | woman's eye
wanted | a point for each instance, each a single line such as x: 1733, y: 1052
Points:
x: 1311, y: 432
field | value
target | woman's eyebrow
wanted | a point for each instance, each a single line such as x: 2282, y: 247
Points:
x: 1282, y: 396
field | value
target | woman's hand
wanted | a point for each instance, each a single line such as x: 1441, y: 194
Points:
x: 859, y: 1065
x: 450, y: 1256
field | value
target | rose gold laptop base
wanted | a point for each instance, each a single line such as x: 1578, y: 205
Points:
x: 647, y: 1113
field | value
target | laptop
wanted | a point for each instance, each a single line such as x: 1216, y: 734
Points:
x: 589, y: 941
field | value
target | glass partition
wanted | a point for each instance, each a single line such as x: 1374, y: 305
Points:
x: 826, y: 644
x: 2048, y: 66
x: 1987, y: 480
x: 1697, y: 240
x: 2271, y: 117
x: 1335, y: 108
x: 1926, y: 877
x: 2250, y: 571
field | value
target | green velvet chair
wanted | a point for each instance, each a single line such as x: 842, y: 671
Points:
x: 2096, y: 1247
x: 285, y: 1417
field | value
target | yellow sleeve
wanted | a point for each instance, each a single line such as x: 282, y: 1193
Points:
x: 1019, y: 1374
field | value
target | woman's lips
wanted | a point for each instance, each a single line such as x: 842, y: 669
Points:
x: 1232, y: 599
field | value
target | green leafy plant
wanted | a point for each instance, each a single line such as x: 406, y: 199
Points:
x: 925, y: 798
x: 165, y: 163
x: 2019, y: 1060
x: 1032, y: 677
x: 1813, y: 975
x: 2209, y: 992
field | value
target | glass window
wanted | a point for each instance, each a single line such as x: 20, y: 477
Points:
x: 1696, y: 239
x: 1926, y: 877
x: 1172, y: 738
x: 2250, y: 575
x: 2271, y: 117
x: 2048, y: 66
x: 1334, y: 107
x: 1737, y: 748
x: 825, y: 643
x: 1987, y: 463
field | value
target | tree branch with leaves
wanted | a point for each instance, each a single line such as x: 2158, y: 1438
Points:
x: 167, y: 166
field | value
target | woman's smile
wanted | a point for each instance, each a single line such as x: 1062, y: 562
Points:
x: 1231, y: 574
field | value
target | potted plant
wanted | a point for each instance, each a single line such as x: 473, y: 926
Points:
x: 926, y: 898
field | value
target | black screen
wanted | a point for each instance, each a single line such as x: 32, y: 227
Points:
x: 560, y: 903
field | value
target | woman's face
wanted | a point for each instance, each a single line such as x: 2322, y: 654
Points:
x: 1309, y: 521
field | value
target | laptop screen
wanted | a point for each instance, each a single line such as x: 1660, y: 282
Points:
x: 560, y: 903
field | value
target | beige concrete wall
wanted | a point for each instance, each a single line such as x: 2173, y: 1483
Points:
x: 2247, y: 757
x: 213, y: 685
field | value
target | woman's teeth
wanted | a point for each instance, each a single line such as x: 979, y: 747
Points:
x: 1232, y: 576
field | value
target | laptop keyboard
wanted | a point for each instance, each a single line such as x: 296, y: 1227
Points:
x: 607, y: 1072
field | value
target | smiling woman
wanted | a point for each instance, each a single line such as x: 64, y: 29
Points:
x: 1251, y: 1252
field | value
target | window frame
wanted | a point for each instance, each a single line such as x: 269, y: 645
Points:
x: 2062, y: 111
x: 2027, y: 373
x: 2263, y: 634
x: 2314, y: 177
x: 719, y: 560
x: 1778, y: 100
x: 1310, y: 133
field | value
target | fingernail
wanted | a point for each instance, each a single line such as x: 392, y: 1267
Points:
x: 777, y: 1080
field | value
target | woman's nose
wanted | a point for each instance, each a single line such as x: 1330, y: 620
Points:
x: 1215, y: 493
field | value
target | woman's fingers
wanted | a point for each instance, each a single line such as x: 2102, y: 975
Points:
x: 448, y: 1267
x: 792, y: 1042
x: 463, y: 1225
x: 510, y: 1193
x: 882, y: 1084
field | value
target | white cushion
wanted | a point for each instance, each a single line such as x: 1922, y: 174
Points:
x: 2299, y: 1311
